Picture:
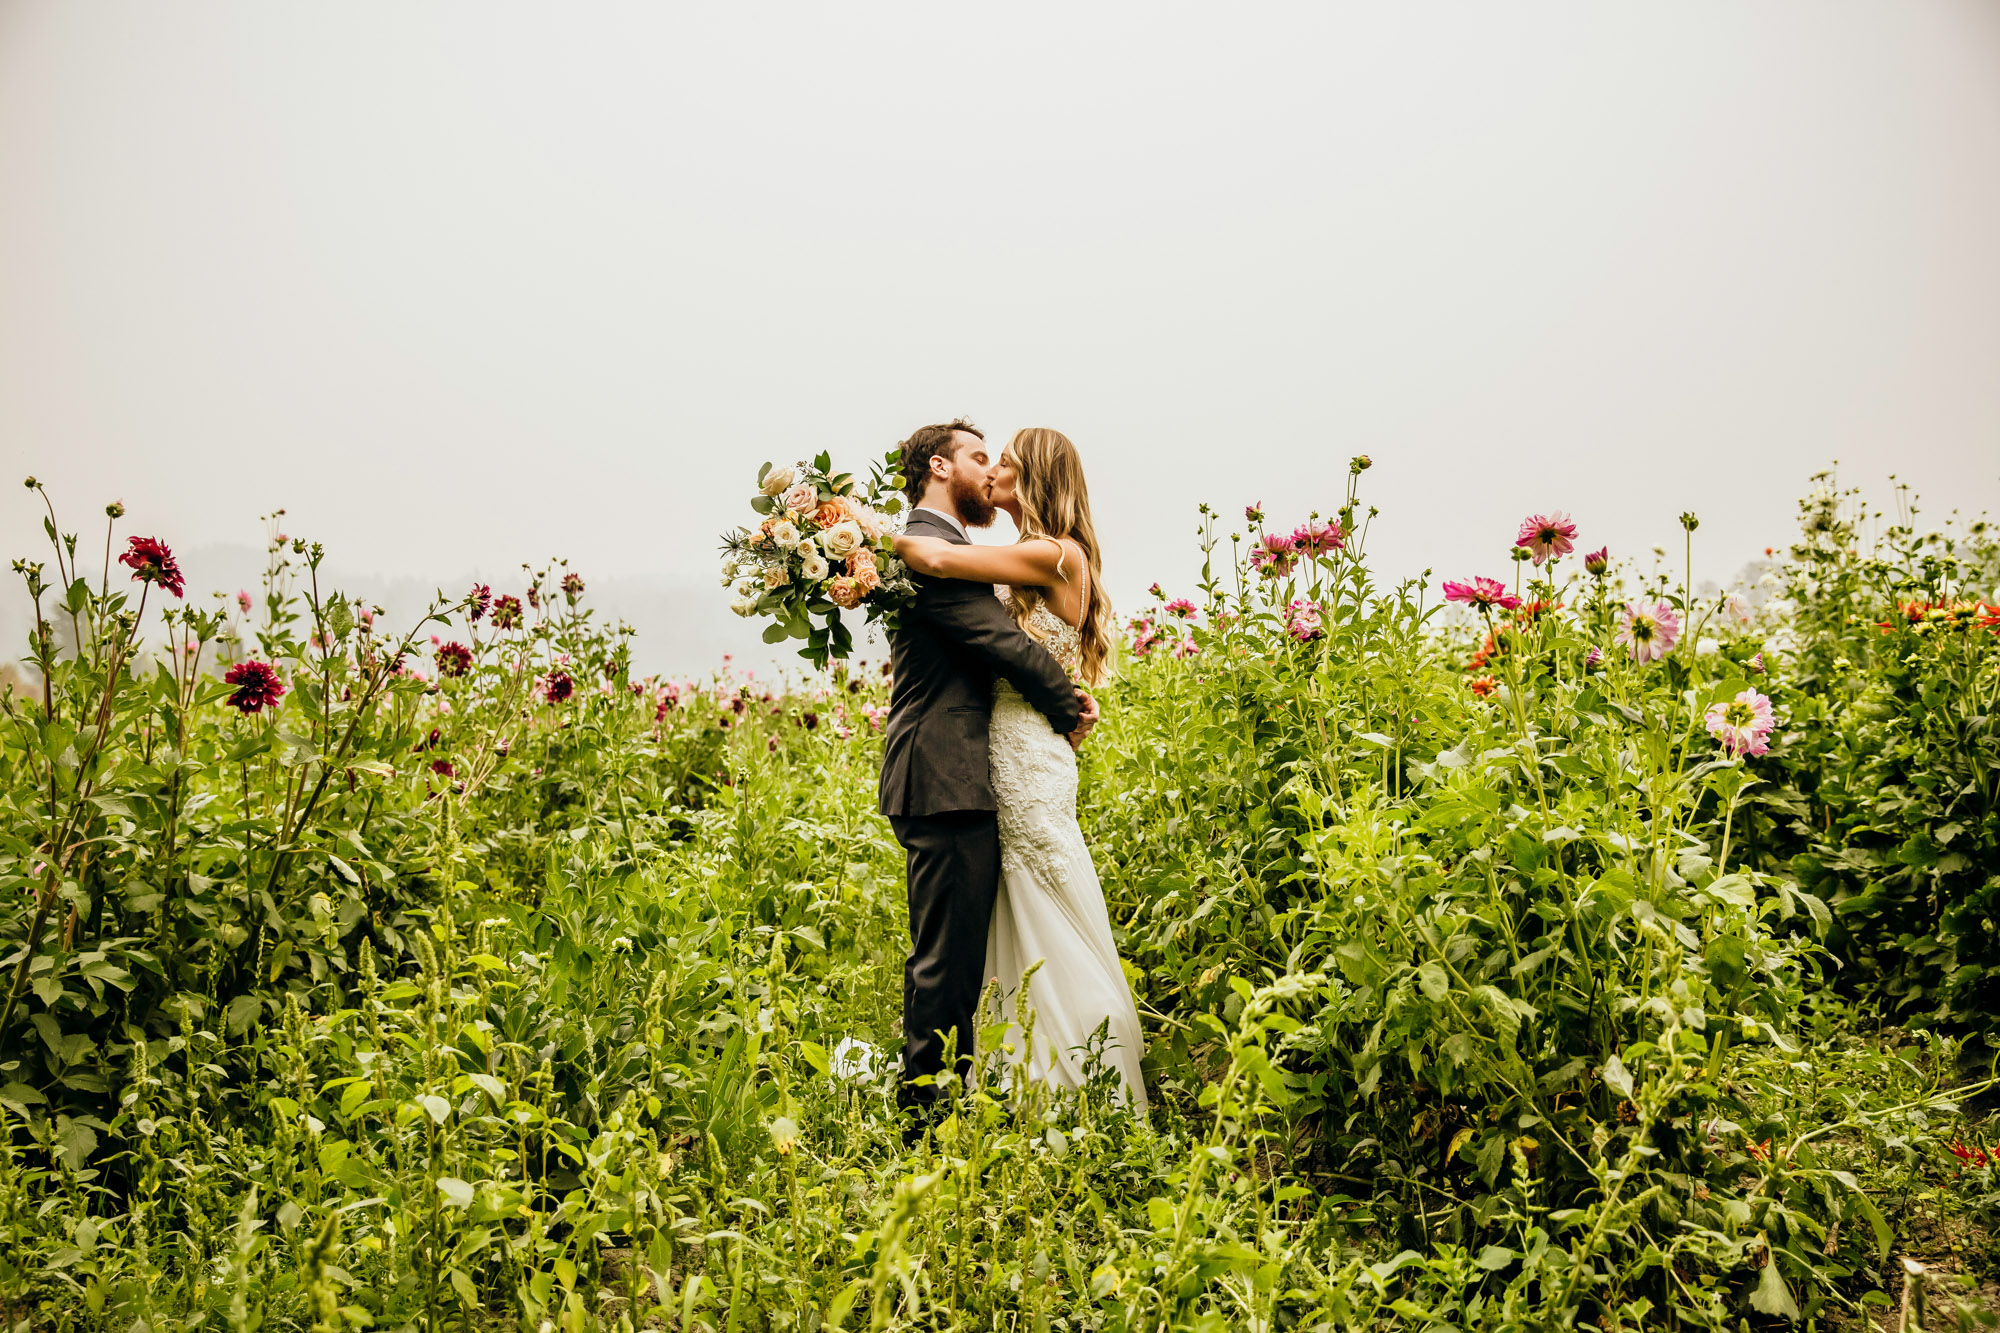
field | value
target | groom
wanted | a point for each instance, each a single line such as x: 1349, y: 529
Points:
x: 944, y: 656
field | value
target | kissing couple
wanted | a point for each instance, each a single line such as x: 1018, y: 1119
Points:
x: 986, y: 708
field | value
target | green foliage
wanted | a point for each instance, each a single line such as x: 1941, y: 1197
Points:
x: 496, y: 987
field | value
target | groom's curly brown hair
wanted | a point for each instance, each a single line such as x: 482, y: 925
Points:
x: 924, y: 444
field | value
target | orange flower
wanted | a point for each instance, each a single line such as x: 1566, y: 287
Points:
x: 832, y: 512
x: 845, y: 592
x: 1484, y: 686
x: 861, y: 568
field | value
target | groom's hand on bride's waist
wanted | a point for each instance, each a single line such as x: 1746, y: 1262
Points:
x: 1085, y: 719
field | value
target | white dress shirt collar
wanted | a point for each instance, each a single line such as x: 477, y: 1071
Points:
x: 949, y: 518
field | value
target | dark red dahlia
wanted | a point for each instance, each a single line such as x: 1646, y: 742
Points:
x: 535, y: 595
x: 443, y: 768
x: 480, y: 599
x: 152, y: 562
x: 454, y: 659
x: 557, y: 685
x: 572, y: 586
x: 506, y: 612
x: 257, y: 687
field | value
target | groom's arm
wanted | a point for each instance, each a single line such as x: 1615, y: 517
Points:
x: 973, y: 618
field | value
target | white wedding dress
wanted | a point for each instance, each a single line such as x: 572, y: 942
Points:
x: 1050, y: 907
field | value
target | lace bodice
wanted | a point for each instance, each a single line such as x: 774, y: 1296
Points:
x: 1063, y: 640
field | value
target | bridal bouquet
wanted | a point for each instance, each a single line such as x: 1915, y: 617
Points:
x: 820, y: 548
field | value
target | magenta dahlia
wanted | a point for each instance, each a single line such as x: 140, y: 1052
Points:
x: 572, y: 586
x: 1254, y: 513
x: 1741, y: 725
x: 1315, y: 539
x: 557, y: 686
x: 479, y: 599
x: 1181, y: 607
x: 506, y: 612
x: 1649, y: 632
x: 1274, y: 555
x: 1597, y: 562
x: 152, y: 562
x: 257, y: 686
x: 1547, y: 535
x: 1482, y: 594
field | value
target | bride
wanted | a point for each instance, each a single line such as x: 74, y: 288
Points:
x: 1050, y: 908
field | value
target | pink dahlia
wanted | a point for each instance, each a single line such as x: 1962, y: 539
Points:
x: 1186, y: 648
x: 1181, y: 607
x: 1547, y: 535
x: 1302, y: 620
x: 1741, y: 725
x: 1482, y: 594
x: 1315, y: 539
x: 1254, y: 513
x: 1593, y: 658
x: 572, y: 586
x: 243, y: 602
x: 1649, y: 633
x: 257, y: 686
x: 1274, y: 555
x: 152, y: 562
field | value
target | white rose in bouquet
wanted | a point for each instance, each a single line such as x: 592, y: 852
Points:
x: 785, y: 535
x: 747, y: 588
x: 743, y: 606
x: 777, y: 479
x: 842, y: 539
x: 812, y: 564
x: 776, y: 577
x: 803, y: 497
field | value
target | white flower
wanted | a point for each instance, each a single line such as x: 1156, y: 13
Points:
x: 803, y: 497
x: 747, y: 587
x: 776, y: 577
x: 743, y: 606
x: 842, y: 539
x: 1706, y: 647
x: 621, y: 944
x: 872, y: 524
x: 1739, y: 609
x: 728, y: 577
x: 785, y: 535
x: 777, y: 479
x: 812, y: 564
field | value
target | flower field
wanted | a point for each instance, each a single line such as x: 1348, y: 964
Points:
x: 1556, y: 945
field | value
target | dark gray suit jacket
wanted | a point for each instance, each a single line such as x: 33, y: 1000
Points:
x: 945, y: 653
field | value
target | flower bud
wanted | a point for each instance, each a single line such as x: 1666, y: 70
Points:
x: 1360, y: 463
x: 1689, y: 521
x: 116, y: 509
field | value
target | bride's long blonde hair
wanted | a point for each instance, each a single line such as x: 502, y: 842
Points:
x: 1056, y: 503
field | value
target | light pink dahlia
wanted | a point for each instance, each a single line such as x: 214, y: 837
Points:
x: 1741, y: 725
x: 1547, y: 535
x: 1649, y: 632
x: 1482, y: 594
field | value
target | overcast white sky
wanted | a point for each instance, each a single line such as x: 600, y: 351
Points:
x: 462, y: 285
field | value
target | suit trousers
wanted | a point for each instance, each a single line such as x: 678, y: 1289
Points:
x: 954, y: 876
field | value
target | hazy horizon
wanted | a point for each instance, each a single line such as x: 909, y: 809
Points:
x: 462, y: 286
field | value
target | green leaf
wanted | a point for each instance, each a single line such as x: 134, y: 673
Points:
x: 1433, y: 981
x: 456, y: 1192
x: 1772, y: 1295
x: 1618, y: 1078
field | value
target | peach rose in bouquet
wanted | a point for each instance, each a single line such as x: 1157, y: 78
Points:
x: 844, y: 592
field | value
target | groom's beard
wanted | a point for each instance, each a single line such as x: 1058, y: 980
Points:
x: 974, y: 509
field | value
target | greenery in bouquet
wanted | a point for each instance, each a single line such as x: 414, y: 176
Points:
x: 820, y: 547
